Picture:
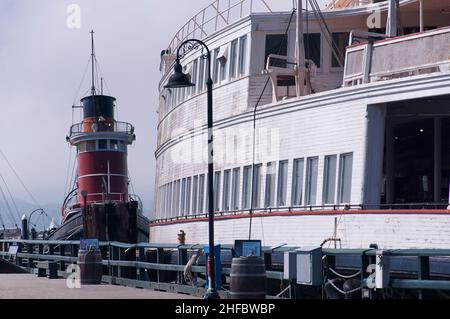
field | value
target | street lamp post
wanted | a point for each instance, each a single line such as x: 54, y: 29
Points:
x: 31, y: 214
x: 181, y: 80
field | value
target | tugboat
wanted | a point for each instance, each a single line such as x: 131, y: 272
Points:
x: 100, y: 205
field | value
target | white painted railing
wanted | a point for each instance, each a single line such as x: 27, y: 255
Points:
x: 222, y: 13
x: 399, y: 57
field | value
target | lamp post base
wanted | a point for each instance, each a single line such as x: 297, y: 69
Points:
x: 211, y: 294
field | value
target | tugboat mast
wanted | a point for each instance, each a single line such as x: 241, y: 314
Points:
x: 92, y: 63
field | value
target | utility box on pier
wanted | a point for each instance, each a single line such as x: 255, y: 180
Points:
x: 290, y: 265
x: 309, y: 266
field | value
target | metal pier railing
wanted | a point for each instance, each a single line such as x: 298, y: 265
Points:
x: 417, y: 273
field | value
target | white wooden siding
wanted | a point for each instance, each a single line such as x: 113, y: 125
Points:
x: 389, y: 231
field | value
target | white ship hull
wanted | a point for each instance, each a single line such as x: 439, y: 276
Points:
x: 373, y: 134
x: 392, y: 230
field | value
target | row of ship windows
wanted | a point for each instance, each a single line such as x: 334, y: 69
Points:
x: 278, y: 44
x: 101, y: 145
x: 188, y: 196
x: 228, y: 62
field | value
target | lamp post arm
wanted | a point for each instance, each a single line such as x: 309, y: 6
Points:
x: 192, y: 44
x: 31, y: 214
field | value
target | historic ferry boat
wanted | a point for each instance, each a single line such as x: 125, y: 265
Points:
x: 331, y: 125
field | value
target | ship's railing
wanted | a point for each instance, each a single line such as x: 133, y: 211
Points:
x: 398, y: 57
x: 418, y: 207
x: 222, y: 13
x: 162, y: 266
x: 338, y: 4
x: 94, y: 127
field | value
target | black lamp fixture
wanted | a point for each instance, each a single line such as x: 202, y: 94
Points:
x: 181, y: 80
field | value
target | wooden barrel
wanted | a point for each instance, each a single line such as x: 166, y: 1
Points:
x: 248, y: 278
x: 91, y: 269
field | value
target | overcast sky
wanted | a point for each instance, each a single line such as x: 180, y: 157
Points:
x: 42, y: 63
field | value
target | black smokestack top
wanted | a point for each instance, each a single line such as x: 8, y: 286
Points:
x: 98, y: 105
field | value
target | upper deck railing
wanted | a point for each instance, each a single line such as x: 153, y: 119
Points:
x: 222, y: 13
x: 398, y: 57
x: 95, y: 127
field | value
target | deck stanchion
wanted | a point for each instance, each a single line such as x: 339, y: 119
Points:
x: 141, y: 258
x: 160, y: 260
x: 62, y: 252
x: 424, y: 274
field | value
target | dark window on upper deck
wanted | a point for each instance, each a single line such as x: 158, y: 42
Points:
x: 340, y: 40
x: 275, y: 44
x: 312, y: 47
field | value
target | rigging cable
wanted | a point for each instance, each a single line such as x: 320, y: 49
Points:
x: 20, y: 180
x: 2, y: 221
x: 326, y: 31
x: 81, y: 83
x: 8, y: 208
x: 254, y: 127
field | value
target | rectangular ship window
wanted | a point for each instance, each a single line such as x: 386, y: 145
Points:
x: 163, y: 212
x: 234, y: 59
x: 246, y: 187
x: 275, y: 44
x: 217, y: 191
x: 345, y: 177
x: 312, y: 47
x: 201, y: 74
x: 242, y: 55
x: 270, y: 185
x: 177, y: 198
x: 102, y: 144
x: 257, y: 186
x: 81, y: 147
x: 90, y: 146
x: 188, y: 196
x: 297, y: 182
x: 183, y: 197
x: 311, y: 180
x: 194, y: 76
x: 114, y: 145
x: 235, y: 189
x: 226, y: 190
x: 215, y: 67
x: 201, y: 194
x: 169, y: 201
x: 282, y: 183
x: 194, y: 195
x: 223, y: 58
x: 329, y: 179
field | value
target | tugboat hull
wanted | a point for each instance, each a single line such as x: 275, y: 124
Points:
x: 107, y: 222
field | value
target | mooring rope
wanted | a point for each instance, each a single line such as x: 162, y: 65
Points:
x: 344, y: 276
x: 341, y: 291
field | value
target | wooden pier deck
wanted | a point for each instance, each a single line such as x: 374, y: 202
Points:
x: 28, y: 286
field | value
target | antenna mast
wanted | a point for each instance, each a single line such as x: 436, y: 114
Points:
x: 93, y: 61
x: 300, y: 51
